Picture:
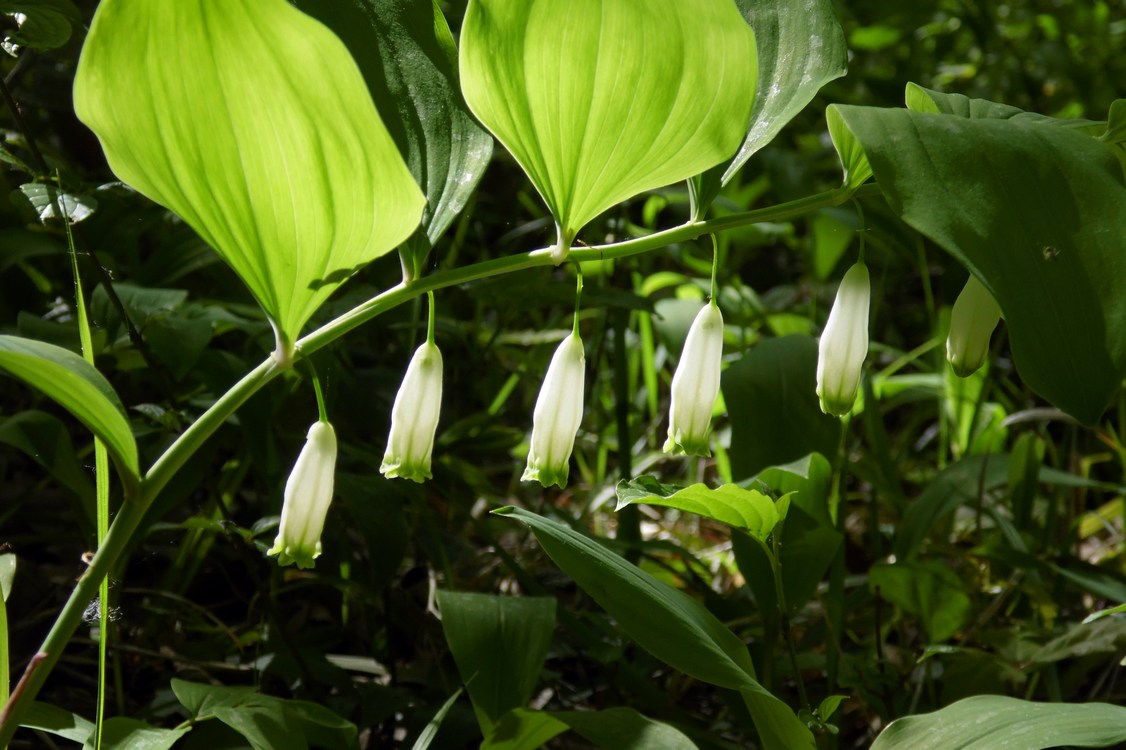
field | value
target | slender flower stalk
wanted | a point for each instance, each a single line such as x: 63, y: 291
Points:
x: 414, y: 417
x: 695, y: 384
x: 559, y: 410
x: 308, y: 493
x: 972, y: 320
x: 844, y: 343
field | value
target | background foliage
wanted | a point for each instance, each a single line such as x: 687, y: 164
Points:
x: 974, y: 529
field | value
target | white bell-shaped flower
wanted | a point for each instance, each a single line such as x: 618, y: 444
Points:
x: 844, y: 343
x: 695, y: 385
x: 414, y: 417
x: 558, y: 413
x: 972, y: 320
x: 308, y: 493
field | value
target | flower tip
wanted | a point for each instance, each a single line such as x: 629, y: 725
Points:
x: 546, y: 476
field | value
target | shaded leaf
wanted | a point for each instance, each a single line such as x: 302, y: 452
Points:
x: 121, y: 733
x: 430, y: 731
x: 668, y: 624
x: 1032, y: 206
x: 409, y: 60
x: 499, y: 644
x: 57, y: 721
x: 929, y: 590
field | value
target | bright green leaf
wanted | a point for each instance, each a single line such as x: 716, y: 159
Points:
x: 499, y: 644
x: 75, y: 385
x: 252, y: 122
x: 7, y: 573
x: 854, y: 161
x: 600, y: 100
x: 730, y: 504
x: 668, y: 624
x: 994, y: 722
x: 408, y: 57
x: 1033, y: 207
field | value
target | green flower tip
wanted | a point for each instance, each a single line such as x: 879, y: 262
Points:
x: 547, y: 475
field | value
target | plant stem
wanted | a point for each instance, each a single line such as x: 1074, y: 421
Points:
x: 134, y: 507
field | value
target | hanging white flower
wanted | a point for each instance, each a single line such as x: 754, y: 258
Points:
x: 559, y: 410
x: 972, y: 320
x: 308, y: 493
x: 844, y: 344
x: 695, y: 385
x: 414, y: 417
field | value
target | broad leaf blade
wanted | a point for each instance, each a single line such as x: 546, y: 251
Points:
x: 668, y: 624
x: 499, y: 644
x: 123, y: 733
x: 801, y: 47
x: 1034, y: 209
x: 251, y: 121
x: 730, y: 504
x: 74, y: 384
x: 599, y: 100
x: 409, y: 60
x: 994, y: 722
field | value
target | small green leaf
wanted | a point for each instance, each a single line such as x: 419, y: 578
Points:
x: 612, y: 729
x: 499, y: 644
x: 929, y: 590
x: 46, y: 201
x: 854, y: 161
x: 252, y: 122
x: 430, y: 731
x: 409, y: 60
x: 7, y: 573
x: 730, y: 504
x: 75, y: 385
x: 668, y: 624
x: 995, y: 722
x: 600, y: 100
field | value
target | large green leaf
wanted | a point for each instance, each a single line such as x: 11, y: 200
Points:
x: 994, y: 722
x: 668, y: 624
x: 1033, y: 207
x: 58, y: 721
x: 612, y: 729
x: 75, y: 385
x: 749, y: 510
x: 801, y: 47
x: 771, y: 397
x: 123, y: 733
x: 408, y: 57
x: 599, y: 100
x: 499, y: 644
x: 252, y: 122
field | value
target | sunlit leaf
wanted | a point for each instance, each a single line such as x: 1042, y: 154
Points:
x: 994, y: 722
x: 599, y: 100
x: 745, y: 509
x: 252, y: 122
x: 74, y: 384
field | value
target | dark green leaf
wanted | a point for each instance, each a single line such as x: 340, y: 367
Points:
x: 772, y: 402
x: 430, y: 731
x: 667, y: 623
x: 121, y: 733
x: 929, y: 590
x: 499, y: 644
x: 1032, y: 206
x: 409, y: 61
x: 46, y: 440
x: 57, y: 721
